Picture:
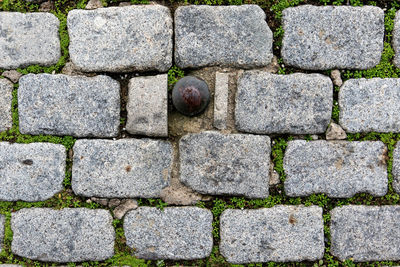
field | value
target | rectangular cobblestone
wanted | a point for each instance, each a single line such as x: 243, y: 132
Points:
x: 2, y: 222
x: 339, y: 169
x: 177, y: 233
x: 31, y: 172
x: 370, y: 105
x: 28, y: 39
x: 365, y: 233
x: 6, y: 89
x: 296, y: 103
x: 126, y: 168
x: 233, y: 164
x: 396, y: 168
x: 235, y: 36
x: 328, y: 37
x: 121, y: 39
x: 67, y: 235
x: 279, y: 234
x: 69, y: 105
x: 221, y: 100
x: 148, y: 106
x: 396, y: 39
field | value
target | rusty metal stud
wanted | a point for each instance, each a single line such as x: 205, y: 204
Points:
x: 190, y: 96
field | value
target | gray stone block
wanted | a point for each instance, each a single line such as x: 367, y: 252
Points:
x: 31, y: 172
x: 235, y: 36
x: 126, y: 168
x: 218, y: 164
x: 2, y: 222
x: 280, y: 234
x: 365, y: 233
x: 339, y: 169
x: 396, y: 40
x: 296, y: 103
x: 328, y: 37
x: 69, y: 105
x: 6, y: 89
x: 67, y: 235
x: 28, y: 39
x: 396, y: 168
x: 121, y: 39
x: 370, y: 105
x: 178, y: 233
x: 148, y: 106
x: 221, y: 100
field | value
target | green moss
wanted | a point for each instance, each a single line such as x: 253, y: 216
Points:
x: 174, y: 74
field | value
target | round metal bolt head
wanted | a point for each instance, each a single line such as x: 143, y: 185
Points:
x: 190, y: 96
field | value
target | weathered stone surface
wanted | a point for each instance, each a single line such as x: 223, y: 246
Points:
x: 296, y: 103
x: 12, y: 75
x: 365, y: 233
x: 31, y: 172
x: 335, y: 132
x: 67, y: 235
x: 28, y: 39
x: 327, y: 37
x: 121, y: 39
x: 396, y: 40
x: 2, y: 221
x: 114, y: 202
x: 181, y: 195
x: 179, y: 233
x: 370, y: 105
x: 280, y: 234
x: 340, y: 169
x: 336, y: 78
x: 218, y: 164
x: 69, y: 105
x: 93, y: 4
x: 147, y: 105
x: 126, y: 168
x: 221, y: 100
x: 124, y: 207
x: 6, y: 89
x: 396, y: 168
x: 235, y: 36
x: 47, y: 6
x: 101, y: 201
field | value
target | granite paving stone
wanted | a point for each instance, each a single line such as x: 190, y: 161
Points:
x: 221, y: 100
x: 177, y: 233
x: 125, y: 168
x: 279, y: 234
x: 370, y: 105
x: 147, y: 106
x: 2, y: 222
x: 225, y: 164
x: 31, y: 172
x: 396, y: 40
x: 69, y: 105
x: 340, y: 169
x: 329, y: 37
x: 296, y: 103
x: 396, y: 168
x: 235, y: 36
x: 6, y: 89
x: 121, y: 39
x: 365, y: 233
x: 28, y: 39
x: 67, y: 235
